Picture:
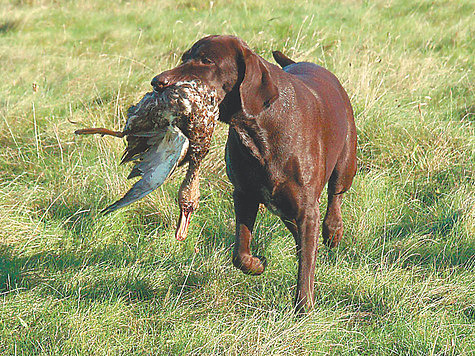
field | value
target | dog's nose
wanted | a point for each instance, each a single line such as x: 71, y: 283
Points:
x: 160, y: 82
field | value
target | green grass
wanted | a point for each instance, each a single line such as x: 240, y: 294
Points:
x: 74, y: 282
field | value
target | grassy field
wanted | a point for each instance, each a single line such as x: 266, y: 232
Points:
x: 75, y: 282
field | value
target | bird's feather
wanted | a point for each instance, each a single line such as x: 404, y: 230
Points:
x: 155, y: 165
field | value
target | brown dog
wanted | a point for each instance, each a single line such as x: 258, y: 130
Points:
x: 291, y: 131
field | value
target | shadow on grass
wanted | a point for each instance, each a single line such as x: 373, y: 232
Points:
x: 56, y: 273
x: 409, y: 227
x: 79, y: 264
x: 80, y: 267
x: 106, y: 273
x: 467, y: 114
x: 8, y: 26
x: 429, y: 233
x: 130, y: 269
x: 418, y: 241
x: 76, y: 251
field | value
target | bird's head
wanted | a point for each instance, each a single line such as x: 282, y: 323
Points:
x: 188, y: 201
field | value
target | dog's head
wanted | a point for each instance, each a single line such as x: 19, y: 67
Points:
x: 225, y: 64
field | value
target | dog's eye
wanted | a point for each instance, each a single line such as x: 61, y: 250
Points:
x: 206, y: 60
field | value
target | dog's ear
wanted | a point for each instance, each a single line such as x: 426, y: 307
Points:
x: 257, y: 89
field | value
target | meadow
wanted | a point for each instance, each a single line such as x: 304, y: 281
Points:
x: 74, y: 282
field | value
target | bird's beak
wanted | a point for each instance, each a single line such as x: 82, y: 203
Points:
x: 183, y: 224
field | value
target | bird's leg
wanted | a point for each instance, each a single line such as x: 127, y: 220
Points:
x: 100, y: 131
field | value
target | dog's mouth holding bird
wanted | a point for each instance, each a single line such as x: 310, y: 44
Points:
x: 164, y: 130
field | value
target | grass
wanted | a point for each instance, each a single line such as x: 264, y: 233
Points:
x: 74, y: 282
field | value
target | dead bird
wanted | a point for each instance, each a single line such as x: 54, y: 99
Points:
x: 165, y: 130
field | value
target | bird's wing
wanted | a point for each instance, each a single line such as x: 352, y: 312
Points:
x: 155, y: 166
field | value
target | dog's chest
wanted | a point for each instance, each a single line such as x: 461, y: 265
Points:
x: 248, y: 176
x: 243, y: 169
x: 270, y: 202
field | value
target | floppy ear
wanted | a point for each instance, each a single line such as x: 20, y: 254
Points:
x: 257, y: 89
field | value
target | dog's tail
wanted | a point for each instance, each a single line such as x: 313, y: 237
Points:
x: 282, y: 59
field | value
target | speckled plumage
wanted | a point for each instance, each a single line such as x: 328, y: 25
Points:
x: 187, y: 105
x: 164, y: 130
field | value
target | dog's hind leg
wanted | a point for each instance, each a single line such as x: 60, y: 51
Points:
x: 245, y: 207
x: 332, y: 228
x: 339, y: 182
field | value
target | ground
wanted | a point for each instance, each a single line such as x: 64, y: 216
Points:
x: 74, y: 282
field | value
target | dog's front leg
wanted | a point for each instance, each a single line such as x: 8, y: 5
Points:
x: 306, y: 239
x: 245, y: 207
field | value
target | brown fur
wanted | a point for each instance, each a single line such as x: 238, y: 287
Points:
x: 291, y: 131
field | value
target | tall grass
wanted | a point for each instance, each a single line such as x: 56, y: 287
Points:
x: 75, y: 282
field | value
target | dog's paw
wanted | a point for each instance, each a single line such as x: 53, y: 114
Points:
x: 332, y: 235
x: 253, y: 265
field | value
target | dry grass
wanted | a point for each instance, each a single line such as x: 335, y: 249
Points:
x: 74, y: 282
